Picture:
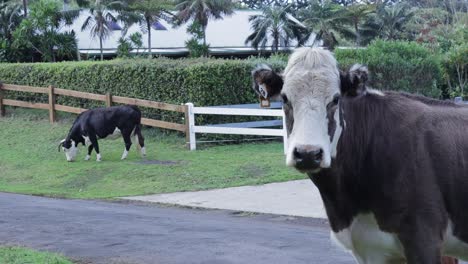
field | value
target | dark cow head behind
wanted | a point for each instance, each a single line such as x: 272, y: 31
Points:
x: 311, y: 87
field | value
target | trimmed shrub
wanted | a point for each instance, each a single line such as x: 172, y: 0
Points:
x: 397, y: 65
x: 208, y: 82
x: 204, y: 82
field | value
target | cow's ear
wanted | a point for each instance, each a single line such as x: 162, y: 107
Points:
x: 266, y: 82
x: 353, y: 82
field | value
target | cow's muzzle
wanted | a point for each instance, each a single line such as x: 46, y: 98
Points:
x: 307, y: 157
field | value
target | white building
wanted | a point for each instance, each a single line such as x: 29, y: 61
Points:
x: 226, y: 37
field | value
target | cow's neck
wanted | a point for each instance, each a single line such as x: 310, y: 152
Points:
x: 341, y: 187
x: 75, y: 134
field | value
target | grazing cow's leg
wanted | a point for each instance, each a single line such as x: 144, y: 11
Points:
x: 140, y: 139
x: 422, y: 244
x: 94, y: 143
x: 128, y: 142
x: 90, y: 149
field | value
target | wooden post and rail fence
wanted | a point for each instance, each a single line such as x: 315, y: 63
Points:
x: 188, y: 128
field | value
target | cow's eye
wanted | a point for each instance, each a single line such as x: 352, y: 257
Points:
x: 336, y: 99
x: 285, y: 98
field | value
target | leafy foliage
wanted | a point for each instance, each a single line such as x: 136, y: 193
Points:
x: 275, y: 27
x: 327, y: 19
x: 40, y: 31
x: 195, y: 47
x: 101, y: 17
x: 148, y: 12
x: 392, y: 21
x: 10, y: 18
x: 124, y: 47
x: 201, y: 11
x: 357, y: 15
x: 397, y: 65
x: 128, y: 44
x: 456, y: 61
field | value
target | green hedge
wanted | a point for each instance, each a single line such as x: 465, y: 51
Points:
x: 397, y: 65
x: 204, y: 82
x: 207, y: 82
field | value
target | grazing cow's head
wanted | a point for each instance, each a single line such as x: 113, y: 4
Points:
x: 70, y: 148
x: 311, y: 92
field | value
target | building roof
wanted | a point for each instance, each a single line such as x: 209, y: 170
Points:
x: 225, y: 37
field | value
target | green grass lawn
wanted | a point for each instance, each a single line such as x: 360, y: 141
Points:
x: 18, y: 255
x: 30, y: 163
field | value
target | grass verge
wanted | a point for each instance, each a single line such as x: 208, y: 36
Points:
x: 19, y: 255
x: 31, y: 164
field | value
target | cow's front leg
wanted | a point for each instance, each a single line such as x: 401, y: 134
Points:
x: 128, y: 143
x: 90, y: 149
x: 95, y: 145
x: 422, y: 243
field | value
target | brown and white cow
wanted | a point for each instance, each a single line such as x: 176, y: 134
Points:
x: 391, y: 168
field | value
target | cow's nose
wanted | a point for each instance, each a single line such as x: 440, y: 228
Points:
x: 307, y: 157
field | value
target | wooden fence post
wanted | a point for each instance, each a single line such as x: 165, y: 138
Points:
x: 108, y: 99
x: 51, y: 104
x: 2, y: 106
x: 190, y: 123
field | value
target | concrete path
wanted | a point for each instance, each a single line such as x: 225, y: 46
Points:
x: 132, y: 233
x: 295, y: 198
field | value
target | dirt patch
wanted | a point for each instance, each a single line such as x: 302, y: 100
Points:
x: 88, y: 178
x: 252, y: 171
x: 159, y: 162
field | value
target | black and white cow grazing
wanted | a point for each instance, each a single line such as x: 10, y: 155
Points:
x: 97, y: 123
x: 391, y: 168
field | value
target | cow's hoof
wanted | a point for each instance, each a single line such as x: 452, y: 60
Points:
x: 124, y: 155
x: 98, y: 157
x: 88, y: 157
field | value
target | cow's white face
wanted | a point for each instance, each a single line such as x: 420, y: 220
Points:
x: 311, y: 87
x: 310, y: 93
x: 70, y: 148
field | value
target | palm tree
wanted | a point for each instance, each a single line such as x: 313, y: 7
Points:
x: 358, y: 14
x: 149, y: 12
x: 10, y: 18
x: 392, y: 20
x: 101, y: 18
x: 328, y: 20
x: 277, y: 24
x: 202, y: 10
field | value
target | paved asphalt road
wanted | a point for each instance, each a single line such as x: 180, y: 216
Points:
x: 116, y: 232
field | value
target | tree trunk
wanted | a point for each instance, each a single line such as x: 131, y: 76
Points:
x: 100, y: 47
x: 358, y: 35
x: 78, y: 55
x: 275, y: 41
x: 53, y: 54
x: 148, y: 25
x: 204, y: 34
x: 25, y: 8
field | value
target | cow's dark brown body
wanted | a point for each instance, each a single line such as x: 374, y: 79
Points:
x: 403, y: 158
x: 392, y: 168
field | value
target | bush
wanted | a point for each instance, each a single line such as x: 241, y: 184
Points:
x: 456, y: 70
x: 397, y: 65
x: 208, y: 82
x: 204, y: 82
